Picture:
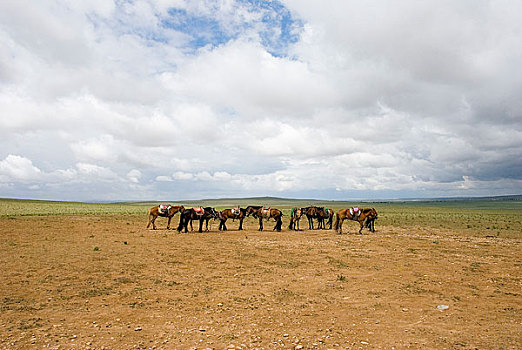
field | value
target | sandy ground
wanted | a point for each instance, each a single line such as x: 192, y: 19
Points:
x: 105, y: 282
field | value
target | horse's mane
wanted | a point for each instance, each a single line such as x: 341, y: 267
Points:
x: 255, y: 206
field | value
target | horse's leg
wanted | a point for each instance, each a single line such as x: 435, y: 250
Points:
x: 168, y: 223
x: 191, y: 227
x: 341, y: 226
x: 260, y: 223
x: 206, y: 225
x: 241, y: 224
x: 361, y: 223
x: 200, y: 225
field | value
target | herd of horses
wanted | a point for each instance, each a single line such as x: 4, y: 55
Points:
x: 364, y: 216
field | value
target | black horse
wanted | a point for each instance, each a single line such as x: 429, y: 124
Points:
x: 203, y: 214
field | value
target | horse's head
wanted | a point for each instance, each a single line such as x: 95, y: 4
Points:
x: 249, y: 211
x: 212, y: 212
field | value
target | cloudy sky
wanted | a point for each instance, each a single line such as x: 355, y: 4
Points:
x: 185, y: 99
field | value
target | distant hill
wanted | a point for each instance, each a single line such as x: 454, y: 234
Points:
x: 232, y: 202
x: 516, y: 197
x: 292, y: 202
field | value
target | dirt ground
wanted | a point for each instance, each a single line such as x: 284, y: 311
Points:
x: 103, y: 282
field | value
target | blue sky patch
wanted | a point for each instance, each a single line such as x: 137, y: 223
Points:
x: 275, y: 25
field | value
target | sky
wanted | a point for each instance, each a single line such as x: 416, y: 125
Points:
x: 185, y: 99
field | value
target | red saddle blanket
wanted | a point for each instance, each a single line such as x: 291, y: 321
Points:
x: 199, y: 210
x: 164, y: 207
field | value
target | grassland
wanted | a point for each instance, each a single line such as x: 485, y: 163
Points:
x: 501, y: 218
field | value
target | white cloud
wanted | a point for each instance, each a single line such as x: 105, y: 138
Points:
x: 134, y: 176
x: 163, y: 178
x: 180, y: 175
x: 16, y: 168
x: 251, y: 81
x: 93, y: 172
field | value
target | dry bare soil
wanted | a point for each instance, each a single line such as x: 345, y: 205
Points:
x: 102, y: 281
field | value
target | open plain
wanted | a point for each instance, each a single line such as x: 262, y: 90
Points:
x: 87, y: 276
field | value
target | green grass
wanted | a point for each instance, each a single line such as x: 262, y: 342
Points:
x: 20, y: 207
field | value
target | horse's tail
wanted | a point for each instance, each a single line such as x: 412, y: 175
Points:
x: 291, y: 225
x: 336, y: 221
x: 150, y: 218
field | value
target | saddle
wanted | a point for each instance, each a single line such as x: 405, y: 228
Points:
x: 164, y: 208
x: 236, y: 211
x: 199, y: 211
x: 265, y: 212
x: 355, y: 212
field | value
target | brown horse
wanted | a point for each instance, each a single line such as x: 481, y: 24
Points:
x: 266, y: 213
x: 295, y: 218
x: 325, y: 214
x: 350, y: 214
x: 167, y: 211
x: 236, y: 213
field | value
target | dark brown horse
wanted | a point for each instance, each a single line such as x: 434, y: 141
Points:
x: 295, y: 218
x: 236, y: 213
x: 311, y: 214
x: 266, y: 213
x: 205, y: 214
x: 370, y: 221
x: 349, y: 213
x: 324, y: 217
x: 167, y: 211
